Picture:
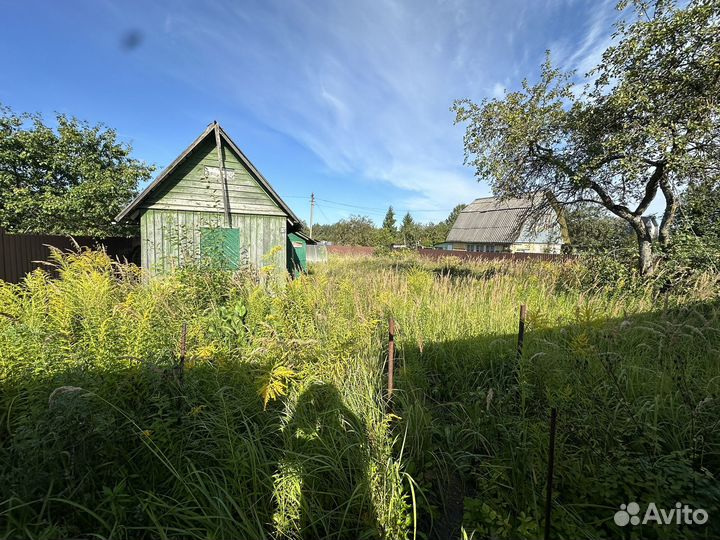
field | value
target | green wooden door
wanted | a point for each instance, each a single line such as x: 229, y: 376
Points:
x: 221, y: 246
x: 296, y: 254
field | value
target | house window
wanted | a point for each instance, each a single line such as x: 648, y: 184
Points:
x: 485, y: 248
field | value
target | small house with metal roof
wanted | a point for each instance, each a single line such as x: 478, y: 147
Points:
x: 212, y: 202
x: 492, y: 225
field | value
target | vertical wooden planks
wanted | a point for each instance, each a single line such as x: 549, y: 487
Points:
x: 143, y: 235
x: 172, y: 237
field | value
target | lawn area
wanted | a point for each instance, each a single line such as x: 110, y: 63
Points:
x: 275, y: 424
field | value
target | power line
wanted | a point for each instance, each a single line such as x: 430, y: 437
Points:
x: 384, y: 210
x: 346, y: 209
x: 368, y: 209
x: 322, y: 211
x: 353, y: 205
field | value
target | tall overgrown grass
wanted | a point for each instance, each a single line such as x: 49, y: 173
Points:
x: 276, y: 424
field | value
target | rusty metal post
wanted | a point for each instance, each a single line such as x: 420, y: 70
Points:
x: 391, y: 360
x: 183, y: 350
x: 551, y: 472
x: 521, y: 330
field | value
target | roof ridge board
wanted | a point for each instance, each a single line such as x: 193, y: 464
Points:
x: 132, y: 206
x: 470, y: 211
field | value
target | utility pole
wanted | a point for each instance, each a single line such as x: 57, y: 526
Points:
x: 312, y: 207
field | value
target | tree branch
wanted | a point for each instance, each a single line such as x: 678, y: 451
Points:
x: 670, y: 210
x: 619, y: 210
x: 650, y: 189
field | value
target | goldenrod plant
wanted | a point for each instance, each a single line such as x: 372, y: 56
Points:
x: 277, y: 423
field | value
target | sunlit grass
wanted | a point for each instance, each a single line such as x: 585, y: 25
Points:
x: 279, y: 426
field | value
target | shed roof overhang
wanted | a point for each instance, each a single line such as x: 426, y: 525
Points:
x: 131, y: 212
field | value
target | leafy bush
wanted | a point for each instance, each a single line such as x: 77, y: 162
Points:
x: 277, y: 425
x: 105, y: 432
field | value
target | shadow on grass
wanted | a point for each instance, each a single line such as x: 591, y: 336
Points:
x: 135, y: 454
x: 327, y: 456
x: 638, y: 401
x: 132, y: 452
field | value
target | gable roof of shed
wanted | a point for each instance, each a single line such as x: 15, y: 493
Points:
x: 302, y: 234
x: 490, y: 220
x: 135, y: 203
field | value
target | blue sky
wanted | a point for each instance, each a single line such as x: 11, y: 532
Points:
x: 349, y: 99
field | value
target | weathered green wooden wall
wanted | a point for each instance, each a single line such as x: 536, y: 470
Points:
x: 172, y: 237
x: 191, y: 198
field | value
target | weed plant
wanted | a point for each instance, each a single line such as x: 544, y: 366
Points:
x: 276, y: 425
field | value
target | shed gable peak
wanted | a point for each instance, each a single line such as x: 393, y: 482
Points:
x: 187, y: 183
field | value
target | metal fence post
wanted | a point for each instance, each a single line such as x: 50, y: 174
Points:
x: 521, y: 330
x: 551, y: 472
x: 391, y: 360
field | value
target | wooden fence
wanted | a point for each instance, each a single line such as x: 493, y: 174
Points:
x: 479, y: 256
x: 351, y: 250
x: 438, y: 254
x: 23, y: 253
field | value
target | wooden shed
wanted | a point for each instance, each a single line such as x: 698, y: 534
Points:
x: 212, y: 201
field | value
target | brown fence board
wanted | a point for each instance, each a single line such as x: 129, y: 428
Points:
x: 479, y: 256
x: 23, y: 253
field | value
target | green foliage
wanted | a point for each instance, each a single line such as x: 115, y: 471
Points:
x: 104, y: 432
x: 354, y: 231
x: 409, y: 231
x: 646, y: 121
x: 699, y: 212
x: 389, y: 221
x: 71, y: 179
x: 276, y: 425
x: 360, y: 231
x: 593, y: 230
x: 690, y: 266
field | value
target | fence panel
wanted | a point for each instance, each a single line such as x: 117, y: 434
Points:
x: 317, y: 253
x: 23, y: 253
x: 351, y: 250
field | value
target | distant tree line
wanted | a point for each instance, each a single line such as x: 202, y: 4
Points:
x: 591, y: 228
x: 361, y: 230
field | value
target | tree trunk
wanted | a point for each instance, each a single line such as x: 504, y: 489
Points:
x: 646, y: 263
x: 561, y: 217
x: 669, y: 214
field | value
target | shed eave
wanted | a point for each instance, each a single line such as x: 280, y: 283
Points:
x: 129, y: 209
x: 132, y: 210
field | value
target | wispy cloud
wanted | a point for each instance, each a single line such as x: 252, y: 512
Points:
x: 367, y: 86
x: 587, y: 54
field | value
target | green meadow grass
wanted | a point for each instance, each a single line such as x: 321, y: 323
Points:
x: 277, y: 426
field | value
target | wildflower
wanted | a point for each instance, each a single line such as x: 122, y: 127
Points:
x: 196, y: 410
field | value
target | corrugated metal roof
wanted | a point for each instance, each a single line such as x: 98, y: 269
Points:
x: 489, y: 220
